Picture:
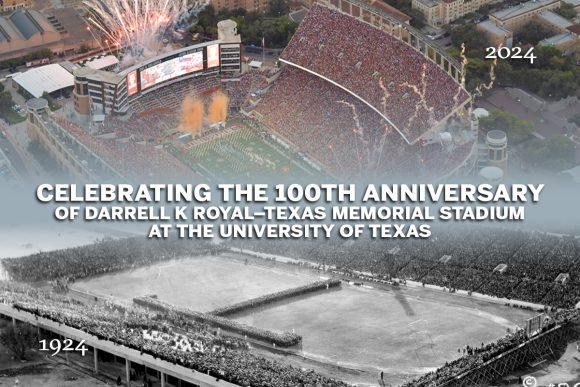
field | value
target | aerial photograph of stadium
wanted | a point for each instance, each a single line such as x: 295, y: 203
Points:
x: 294, y: 91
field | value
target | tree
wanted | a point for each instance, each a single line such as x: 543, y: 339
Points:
x: 559, y: 84
x: 532, y: 32
x: 567, y: 11
x: 475, y: 42
x: 417, y: 18
x: 6, y: 103
x: 553, y: 154
x: 277, y: 8
x: 19, y: 339
x: 207, y: 17
x: 52, y: 103
x: 517, y: 130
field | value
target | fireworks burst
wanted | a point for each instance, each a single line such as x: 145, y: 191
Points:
x: 464, y: 63
x: 136, y: 26
x: 421, y: 93
x: 358, y: 131
x: 486, y: 86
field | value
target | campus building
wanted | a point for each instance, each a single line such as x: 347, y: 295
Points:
x: 441, y: 12
x: 26, y: 31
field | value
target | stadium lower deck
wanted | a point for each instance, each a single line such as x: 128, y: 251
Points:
x: 352, y: 333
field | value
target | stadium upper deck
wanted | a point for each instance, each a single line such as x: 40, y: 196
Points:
x: 408, y: 90
x: 344, y: 134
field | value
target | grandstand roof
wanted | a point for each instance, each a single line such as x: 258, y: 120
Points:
x: 49, y: 78
x: 408, y: 90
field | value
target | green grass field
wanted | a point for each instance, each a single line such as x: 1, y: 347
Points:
x: 245, y: 154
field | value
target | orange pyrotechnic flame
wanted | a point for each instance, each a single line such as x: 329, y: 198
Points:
x: 218, y: 108
x: 192, y: 112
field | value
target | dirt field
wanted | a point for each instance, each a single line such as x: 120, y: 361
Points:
x: 361, y: 330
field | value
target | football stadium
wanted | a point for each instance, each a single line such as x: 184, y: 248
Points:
x: 390, y: 104
x: 371, y: 99
x: 480, y: 307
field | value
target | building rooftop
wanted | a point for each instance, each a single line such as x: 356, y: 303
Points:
x: 430, y: 3
x: 23, y: 24
x: 575, y: 29
x: 102, y: 62
x: 498, y: 135
x: 518, y: 10
x: 493, y: 28
x: 556, y: 40
x: 98, y: 75
x: 49, y: 78
x: 389, y: 9
x: 555, y: 19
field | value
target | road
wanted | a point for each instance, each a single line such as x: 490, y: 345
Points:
x: 12, y: 155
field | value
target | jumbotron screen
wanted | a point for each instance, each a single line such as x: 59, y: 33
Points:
x: 170, y: 69
x: 132, y: 86
x: 213, y: 55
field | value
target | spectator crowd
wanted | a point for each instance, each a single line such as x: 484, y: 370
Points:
x: 401, y: 83
x: 456, y: 260
x: 199, y: 348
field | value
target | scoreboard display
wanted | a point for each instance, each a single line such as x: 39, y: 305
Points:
x: 171, y: 68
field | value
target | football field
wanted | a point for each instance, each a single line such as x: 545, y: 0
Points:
x: 245, y: 153
x: 363, y: 330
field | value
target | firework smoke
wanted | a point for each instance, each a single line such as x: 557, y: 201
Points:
x: 421, y: 93
x: 464, y: 63
x: 486, y: 86
x: 192, y: 112
x: 136, y: 26
x: 218, y: 108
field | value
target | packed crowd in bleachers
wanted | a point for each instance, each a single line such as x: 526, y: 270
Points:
x: 457, y: 260
x: 225, y: 358
x: 104, y: 256
x: 534, y: 261
x: 394, y: 78
x: 476, y: 356
x: 239, y: 90
x: 342, y: 133
x: 129, y: 157
x: 282, y: 339
x: 169, y: 98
